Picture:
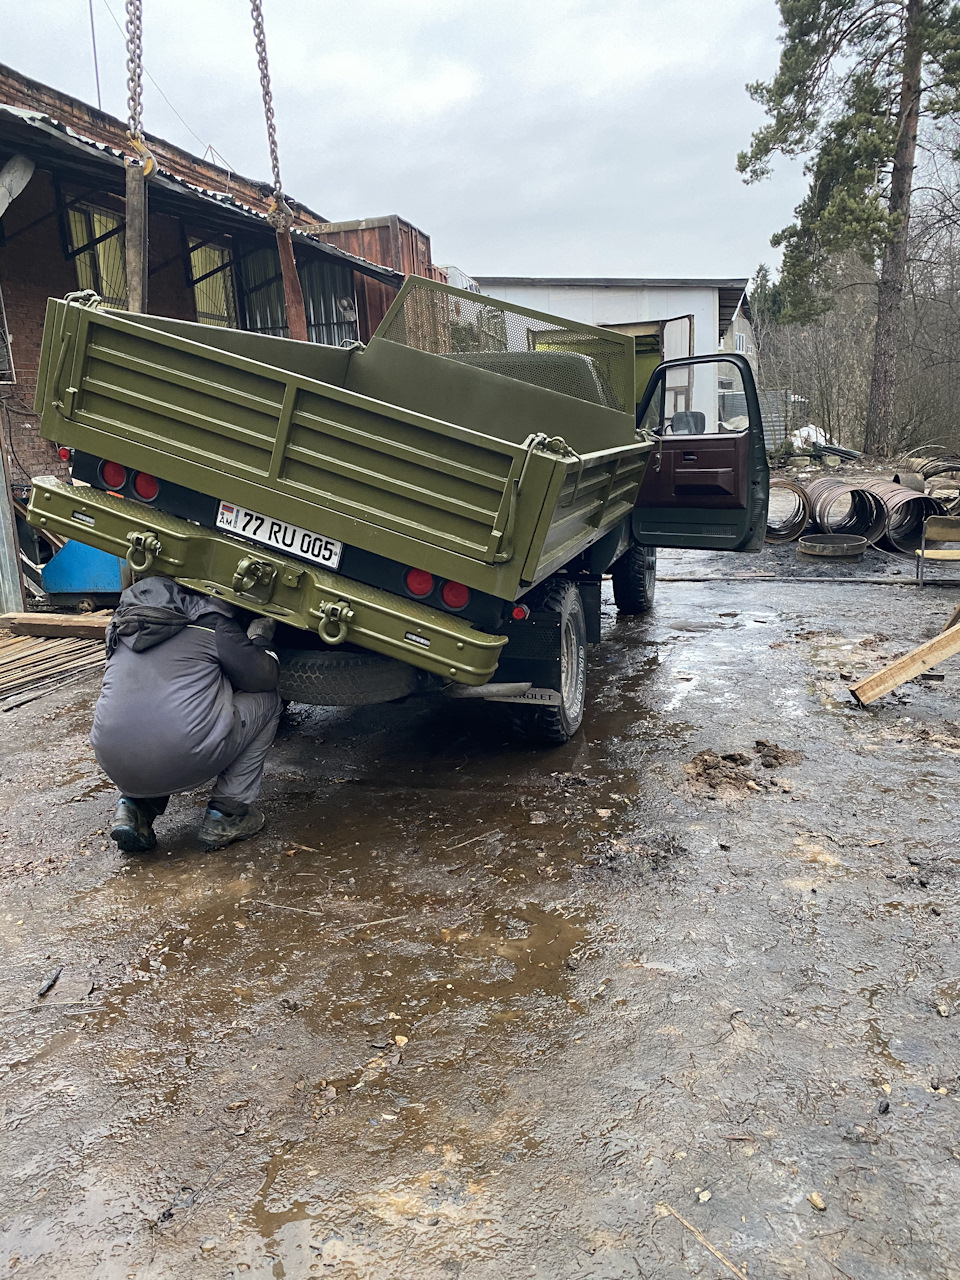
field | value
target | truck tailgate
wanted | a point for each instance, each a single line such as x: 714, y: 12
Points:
x: 268, y: 582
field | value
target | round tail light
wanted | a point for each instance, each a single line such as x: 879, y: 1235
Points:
x: 520, y: 613
x: 419, y: 582
x: 65, y: 453
x: 455, y: 595
x: 146, y: 487
x: 113, y: 475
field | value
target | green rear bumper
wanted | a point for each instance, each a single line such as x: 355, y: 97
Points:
x: 277, y: 586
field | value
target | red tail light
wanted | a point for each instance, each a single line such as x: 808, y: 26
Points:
x: 113, y: 475
x: 146, y: 487
x: 455, y: 595
x: 419, y: 582
x: 65, y: 453
x: 520, y: 613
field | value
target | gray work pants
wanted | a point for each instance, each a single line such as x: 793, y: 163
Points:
x: 255, y: 720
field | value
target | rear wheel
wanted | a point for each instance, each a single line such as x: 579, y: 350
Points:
x: 554, y: 725
x: 635, y: 579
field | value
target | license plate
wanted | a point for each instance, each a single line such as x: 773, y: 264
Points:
x: 280, y: 535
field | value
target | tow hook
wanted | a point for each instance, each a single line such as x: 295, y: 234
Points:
x: 334, y: 621
x: 142, y: 551
x: 254, y: 579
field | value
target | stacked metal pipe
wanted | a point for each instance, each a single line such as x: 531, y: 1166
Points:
x: 789, y: 527
x: 838, y: 506
x: 905, y: 511
x: 882, y: 511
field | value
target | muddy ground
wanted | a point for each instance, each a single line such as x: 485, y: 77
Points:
x: 659, y: 1003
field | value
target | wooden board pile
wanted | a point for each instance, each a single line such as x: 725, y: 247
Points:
x: 31, y: 665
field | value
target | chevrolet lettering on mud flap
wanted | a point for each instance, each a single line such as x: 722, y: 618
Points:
x: 477, y: 470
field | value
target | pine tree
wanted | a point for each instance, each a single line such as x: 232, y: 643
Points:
x: 855, y: 81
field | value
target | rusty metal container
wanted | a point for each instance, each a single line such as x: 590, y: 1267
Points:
x: 390, y: 242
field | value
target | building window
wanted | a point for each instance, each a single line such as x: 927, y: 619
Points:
x: 211, y: 274
x: 741, y: 342
x: 261, y: 292
x: 329, y: 297
x: 329, y: 301
x: 97, y: 247
x: 6, y: 355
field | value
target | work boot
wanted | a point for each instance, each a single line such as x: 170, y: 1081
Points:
x: 219, y: 829
x: 132, y: 828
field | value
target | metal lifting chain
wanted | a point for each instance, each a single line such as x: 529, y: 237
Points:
x: 135, y: 68
x: 280, y: 214
x: 261, y: 40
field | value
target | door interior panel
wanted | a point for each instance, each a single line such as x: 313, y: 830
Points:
x: 705, y: 471
x: 705, y: 490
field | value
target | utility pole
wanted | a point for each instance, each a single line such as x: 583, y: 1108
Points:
x: 11, y: 583
x: 135, y: 236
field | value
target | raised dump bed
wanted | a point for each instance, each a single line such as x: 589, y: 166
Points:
x: 480, y: 441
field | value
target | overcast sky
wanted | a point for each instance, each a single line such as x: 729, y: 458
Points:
x: 526, y: 137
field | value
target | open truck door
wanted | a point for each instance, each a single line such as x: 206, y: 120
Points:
x: 707, y: 484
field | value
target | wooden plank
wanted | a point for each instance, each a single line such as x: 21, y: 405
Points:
x: 799, y: 579
x: 953, y: 619
x: 912, y: 664
x: 82, y: 626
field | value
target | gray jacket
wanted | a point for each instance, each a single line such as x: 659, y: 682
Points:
x: 165, y: 720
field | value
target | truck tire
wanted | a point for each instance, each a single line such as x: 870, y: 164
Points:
x: 635, y: 579
x: 341, y: 678
x: 552, y: 726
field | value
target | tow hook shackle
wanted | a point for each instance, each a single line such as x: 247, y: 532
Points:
x: 142, y: 550
x: 334, y: 622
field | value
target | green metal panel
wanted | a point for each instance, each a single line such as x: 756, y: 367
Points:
x: 268, y: 583
x: 351, y: 454
x: 597, y: 495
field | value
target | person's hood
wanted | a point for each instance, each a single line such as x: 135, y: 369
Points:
x: 155, y: 609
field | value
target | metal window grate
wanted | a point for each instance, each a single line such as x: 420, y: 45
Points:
x: 329, y: 298
x: 97, y: 248
x: 261, y: 291
x: 578, y: 361
x: 6, y: 355
x: 211, y: 273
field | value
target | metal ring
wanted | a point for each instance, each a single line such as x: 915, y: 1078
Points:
x: 142, y: 551
x: 139, y: 566
x: 338, y: 635
x: 334, y: 622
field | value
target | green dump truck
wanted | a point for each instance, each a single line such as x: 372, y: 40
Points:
x: 432, y: 512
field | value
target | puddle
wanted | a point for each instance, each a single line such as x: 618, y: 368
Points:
x: 461, y: 1008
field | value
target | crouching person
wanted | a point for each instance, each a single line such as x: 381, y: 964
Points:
x: 188, y: 695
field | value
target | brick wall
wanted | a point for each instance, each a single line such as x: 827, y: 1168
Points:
x: 32, y: 269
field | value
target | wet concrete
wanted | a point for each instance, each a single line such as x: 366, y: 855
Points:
x: 469, y: 1009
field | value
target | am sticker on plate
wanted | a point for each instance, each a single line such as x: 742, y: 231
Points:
x: 280, y: 535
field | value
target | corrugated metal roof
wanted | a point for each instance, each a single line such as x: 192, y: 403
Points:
x: 85, y: 157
